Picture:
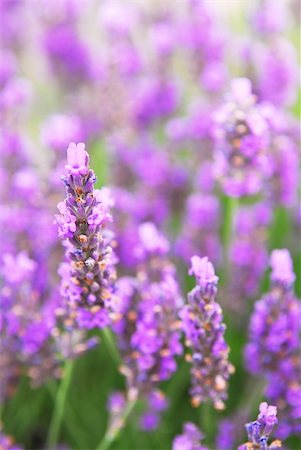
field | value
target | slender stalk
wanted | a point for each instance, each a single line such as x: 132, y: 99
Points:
x: 227, y: 233
x: 113, y: 432
x: 108, y: 338
x: 206, y: 419
x: 58, y: 411
x: 76, y: 437
x: 252, y: 394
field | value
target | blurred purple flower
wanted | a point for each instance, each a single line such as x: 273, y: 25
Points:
x: 204, y: 331
x: 274, y: 344
x: 190, y: 439
x: 146, y: 323
x: 242, y: 140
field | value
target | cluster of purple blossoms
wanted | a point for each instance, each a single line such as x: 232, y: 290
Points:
x: 242, y: 140
x: 7, y: 442
x: 28, y: 294
x: 228, y: 431
x: 271, y: 59
x: 121, y: 82
x: 190, y: 439
x: 148, y: 186
x: 67, y: 54
x: 274, y: 344
x: 248, y: 255
x: 285, y: 157
x: 200, y: 228
x: 88, y: 274
x: 271, y: 17
x: 202, y: 323
x: 203, y: 40
x: 146, y: 321
x: 260, y: 430
x: 25, y: 325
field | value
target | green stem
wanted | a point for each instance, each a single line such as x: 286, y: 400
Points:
x: 227, y: 233
x: 252, y: 394
x: 108, y: 338
x: 113, y: 432
x: 58, y: 412
x: 206, y: 419
x: 75, y: 436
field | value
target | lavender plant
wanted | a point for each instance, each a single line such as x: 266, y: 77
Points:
x: 274, y: 346
x: 190, y: 439
x: 88, y: 274
x: 202, y: 323
x: 242, y: 142
x: 190, y: 113
x: 260, y: 430
x: 146, y: 322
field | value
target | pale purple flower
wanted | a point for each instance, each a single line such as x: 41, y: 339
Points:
x: 59, y: 130
x: 282, y: 268
x: 7, y: 442
x: 88, y: 275
x: 274, y: 344
x: 190, y: 439
x: 260, y: 430
x: 146, y: 323
x: 270, y: 17
x: 200, y: 228
x: 204, y: 331
x: 242, y: 140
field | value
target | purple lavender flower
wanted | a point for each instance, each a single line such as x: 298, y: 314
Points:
x: 59, y: 130
x: 156, y: 100
x: 190, y: 439
x: 229, y: 430
x: 7, y: 442
x: 88, y: 274
x: 285, y: 156
x: 242, y: 138
x: 259, y: 431
x: 274, y: 344
x: 282, y: 268
x: 117, y: 19
x: 116, y: 406
x: 67, y: 54
x: 271, y: 17
x: 200, y: 228
x: 278, y: 83
x: 204, y: 330
x: 146, y: 322
x: 248, y: 255
x: 26, y: 323
x: 203, y: 39
x: 11, y: 21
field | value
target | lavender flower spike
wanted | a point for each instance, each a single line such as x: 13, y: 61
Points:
x: 88, y: 274
x: 202, y: 322
x: 259, y: 431
x: 282, y: 268
x: 273, y: 350
x: 190, y: 439
x: 242, y: 140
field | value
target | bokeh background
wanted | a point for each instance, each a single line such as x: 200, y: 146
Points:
x: 143, y: 84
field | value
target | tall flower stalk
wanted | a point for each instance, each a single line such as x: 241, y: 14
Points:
x: 274, y: 344
x: 147, y: 327
x: 202, y: 322
x: 88, y: 273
